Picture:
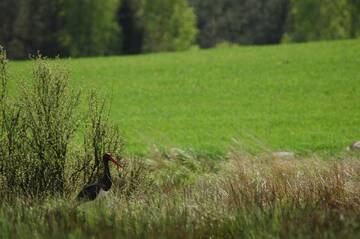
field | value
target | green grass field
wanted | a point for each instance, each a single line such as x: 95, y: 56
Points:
x: 301, y: 97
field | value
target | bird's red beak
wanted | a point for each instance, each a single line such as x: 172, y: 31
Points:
x: 119, y: 165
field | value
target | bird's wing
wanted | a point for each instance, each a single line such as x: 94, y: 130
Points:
x: 89, y: 192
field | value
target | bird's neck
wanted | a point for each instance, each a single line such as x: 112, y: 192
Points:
x: 106, y: 180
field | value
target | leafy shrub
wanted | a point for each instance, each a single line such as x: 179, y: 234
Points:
x: 38, y: 152
x: 100, y: 136
x: 49, y: 120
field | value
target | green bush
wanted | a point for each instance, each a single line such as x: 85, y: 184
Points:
x: 38, y: 153
x: 100, y: 136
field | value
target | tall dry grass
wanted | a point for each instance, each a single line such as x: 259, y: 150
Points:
x: 243, y: 197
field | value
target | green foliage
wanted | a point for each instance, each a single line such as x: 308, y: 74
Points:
x: 3, y: 75
x: 244, y: 22
x: 60, y: 27
x: 33, y: 25
x: 159, y: 25
x: 169, y: 25
x: 91, y: 27
x: 38, y: 130
x: 50, y: 121
x: 319, y: 20
x: 355, y: 18
x: 38, y: 156
x: 100, y: 136
x: 8, y: 12
x: 129, y: 17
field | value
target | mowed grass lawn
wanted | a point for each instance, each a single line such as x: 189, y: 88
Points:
x: 300, y: 97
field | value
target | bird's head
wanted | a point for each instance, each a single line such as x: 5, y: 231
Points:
x: 108, y: 157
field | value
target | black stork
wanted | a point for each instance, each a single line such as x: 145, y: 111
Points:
x: 92, y: 191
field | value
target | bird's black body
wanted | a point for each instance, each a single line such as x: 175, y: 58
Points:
x: 92, y: 191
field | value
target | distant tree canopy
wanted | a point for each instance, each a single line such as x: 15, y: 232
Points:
x: 7, y: 36
x: 94, y: 27
x: 31, y: 25
x: 274, y: 21
x: 244, y: 22
x: 91, y: 27
x: 320, y: 20
x: 354, y: 6
x: 169, y: 25
x: 157, y: 25
x: 129, y: 17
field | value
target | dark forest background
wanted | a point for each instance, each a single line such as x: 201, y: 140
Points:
x: 112, y: 27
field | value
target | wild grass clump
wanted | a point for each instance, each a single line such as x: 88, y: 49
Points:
x: 39, y: 156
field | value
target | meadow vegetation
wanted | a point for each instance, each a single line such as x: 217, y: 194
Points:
x: 178, y: 197
x: 175, y: 193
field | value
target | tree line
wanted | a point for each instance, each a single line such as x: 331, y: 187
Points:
x: 91, y: 27
x: 275, y: 21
